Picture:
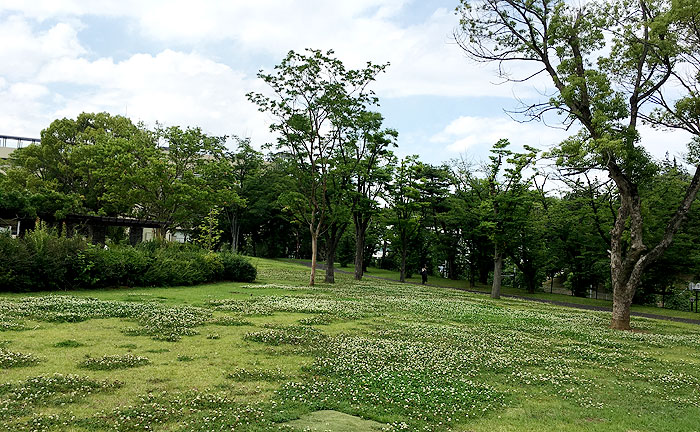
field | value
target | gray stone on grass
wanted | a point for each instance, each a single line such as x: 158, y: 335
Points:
x: 334, y: 421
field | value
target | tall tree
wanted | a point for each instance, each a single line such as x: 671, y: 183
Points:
x: 503, y: 209
x: 313, y: 97
x: 371, y: 160
x: 603, y: 91
x: 405, y: 206
x: 246, y: 165
x: 469, y: 193
x: 172, y: 178
x: 66, y: 166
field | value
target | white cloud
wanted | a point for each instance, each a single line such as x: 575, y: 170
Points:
x: 24, y: 50
x: 477, y: 134
x: 425, y: 60
x: 172, y: 87
x: 28, y: 90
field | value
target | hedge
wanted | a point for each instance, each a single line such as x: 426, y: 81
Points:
x: 43, y: 261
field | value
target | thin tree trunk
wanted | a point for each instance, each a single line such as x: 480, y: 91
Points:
x: 402, y: 274
x: 334, y: 235
x: 384, y: 253
x: 235, y: 232
x: 360, y: 232
x: 161, y: 232
x: 497, y: 273
x: 472, y: 275
x: 314, y: 251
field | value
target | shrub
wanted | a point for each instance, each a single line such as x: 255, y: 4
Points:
x: 237, y: 268
x: 678, y: 299
x: 41, y: 260
x: 45, y: 261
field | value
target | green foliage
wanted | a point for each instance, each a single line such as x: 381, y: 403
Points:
x: 41, y: 261
x: 237, y: 268
x: 100, y: 164
x: 678, y: 299
x: 111, y: 362
x: 44, y: 261
x: 11, y: 359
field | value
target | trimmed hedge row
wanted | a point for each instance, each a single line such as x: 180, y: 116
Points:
x: 42, y: 261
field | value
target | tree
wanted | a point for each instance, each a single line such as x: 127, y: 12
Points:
x: 64, y: 172
x: 370, y: 160
x: 209, y: 233
x: 504, y: 207
x: 443, y: 216
x: 245, y: 166
x: 314, y: 96
x: 602, y: 91
x: 470, y: 192
x: 405, y: 205
x: 177, y: 183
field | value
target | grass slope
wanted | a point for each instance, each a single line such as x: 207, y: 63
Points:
x: 255, y: 357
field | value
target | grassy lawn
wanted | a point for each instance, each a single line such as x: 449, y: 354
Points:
x: 462, y: 284
x: 374, y: 355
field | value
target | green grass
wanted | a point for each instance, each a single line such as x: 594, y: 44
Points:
x: 463, y: 284
x: 279, y: 355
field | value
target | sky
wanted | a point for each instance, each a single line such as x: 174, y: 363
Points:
x: 186, y: 63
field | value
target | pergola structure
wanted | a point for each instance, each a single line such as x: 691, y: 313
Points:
x: 96, y: 225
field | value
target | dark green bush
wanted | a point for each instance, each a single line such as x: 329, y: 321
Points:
x: 40, y: 261
x: 678, y: 299
x: 44, y: 261
x: 237, y: 268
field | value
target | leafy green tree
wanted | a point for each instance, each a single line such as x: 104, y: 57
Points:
x: 503, y: 210
x: 314, y: 95
x: 469, y: 193
x: 370, y: 162
x: 603, y: 91
x: 177, y: 183
x: 245, y: 166
x: 64, y: 173
x: 209, y: 233
x: 443, y: 217
x: 405, y: 209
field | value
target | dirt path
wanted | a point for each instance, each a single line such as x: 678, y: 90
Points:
x: 553, y: 302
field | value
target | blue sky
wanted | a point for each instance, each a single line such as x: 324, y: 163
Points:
x: 191, y: 63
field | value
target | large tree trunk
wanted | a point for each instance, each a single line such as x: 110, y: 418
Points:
x: 497, y: 273
x: 626, y: 267
x: 530, y: 281
x: 330, y: 263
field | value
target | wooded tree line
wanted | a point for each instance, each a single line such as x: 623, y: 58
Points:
x: 331, y: 187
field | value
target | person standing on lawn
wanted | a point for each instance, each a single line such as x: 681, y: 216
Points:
x: 424, y: 275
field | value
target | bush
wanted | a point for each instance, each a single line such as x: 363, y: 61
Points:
x: 44, y: 261
x: 237, y: 268
x: 40, y: 261
x: 678, y: 299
